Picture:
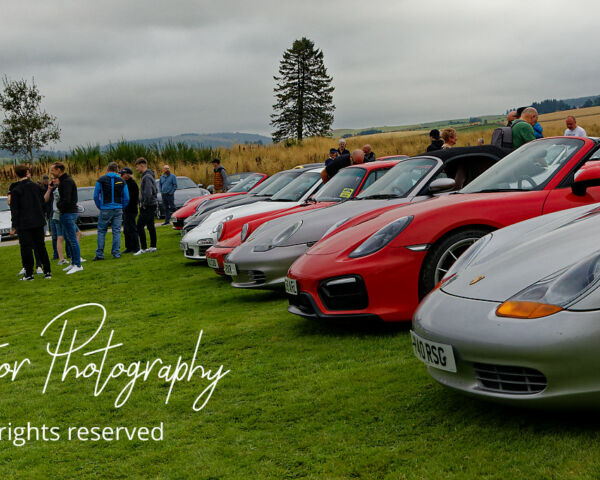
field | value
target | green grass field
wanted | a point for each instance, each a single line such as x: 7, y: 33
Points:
x: 301, y: 400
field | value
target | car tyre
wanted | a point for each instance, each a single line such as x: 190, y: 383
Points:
x: 442, y: 256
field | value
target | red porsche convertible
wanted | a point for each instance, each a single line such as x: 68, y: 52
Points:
x: 347, y: 184
x: 382, y: 266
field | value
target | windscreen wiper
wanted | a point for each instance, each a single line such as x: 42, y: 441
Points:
x: 381, y: 196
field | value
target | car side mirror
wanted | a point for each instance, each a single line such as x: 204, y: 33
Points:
x: 587, y: 176
x: 441, y: 184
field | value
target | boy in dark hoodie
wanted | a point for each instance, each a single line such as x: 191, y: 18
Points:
x: 148, y: 203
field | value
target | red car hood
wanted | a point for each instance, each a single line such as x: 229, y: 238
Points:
x: 190, y: 208
x: 434, y: 217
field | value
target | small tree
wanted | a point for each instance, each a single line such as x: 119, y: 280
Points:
x: 26, y: 127
x: 304, y: 94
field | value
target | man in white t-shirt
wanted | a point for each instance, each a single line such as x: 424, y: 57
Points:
x: 572, y: 129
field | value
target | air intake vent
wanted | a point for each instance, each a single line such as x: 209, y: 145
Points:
x: 510, y: 380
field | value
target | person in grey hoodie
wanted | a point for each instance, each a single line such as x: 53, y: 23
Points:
x: 148, y: 204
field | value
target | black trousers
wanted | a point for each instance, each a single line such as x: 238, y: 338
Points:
x: 146, y: 219
x: 132, y: 240
x: 32, y: 240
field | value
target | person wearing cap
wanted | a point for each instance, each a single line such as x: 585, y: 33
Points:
x: 343, y: 150
x: 436, y: 141
x: 168, y: 185
x: 221, y: 180
x: 111, y: 196
x: 369, y: 154
x: 340, y: 162
x: 132, y: 240
x: 332, y: 154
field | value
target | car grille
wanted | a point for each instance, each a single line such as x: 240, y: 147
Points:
x: 256, y: 276
x: 178, y: 222
x: 511, y: 380
x: 202, y: 249
x: 344, y: 293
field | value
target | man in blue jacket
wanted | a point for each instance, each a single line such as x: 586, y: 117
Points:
x: 111, y: 196
x: 168, y: 185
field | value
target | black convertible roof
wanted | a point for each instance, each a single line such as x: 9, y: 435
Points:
x: 479, y: 150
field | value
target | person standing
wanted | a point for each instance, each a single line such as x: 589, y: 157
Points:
x: 449, y: 137
x: 342, y: 161
x: 369, y: 153
x: 333, y: 153
x: 67, y: 206
x: 221, y: 181
x: 436, y: 141
x: 522, y: 127
x: 342, y: 150
x: 51, y: 197
x: 168, y: 185
x: 132, y: 241
x: 28, y: 220
x: 572, y: 129
x: 111, y: 196
x: 148, y: 204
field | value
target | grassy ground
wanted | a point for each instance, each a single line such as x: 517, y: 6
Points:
x: 302, y: 399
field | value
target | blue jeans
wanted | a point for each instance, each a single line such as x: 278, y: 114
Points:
x: 54, y: 229
x: 67, y: 222
x: 114, y: 218
x: 168, y: 201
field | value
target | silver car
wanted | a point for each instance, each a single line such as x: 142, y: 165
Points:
x: 517, y: 318
x: 263, y: 260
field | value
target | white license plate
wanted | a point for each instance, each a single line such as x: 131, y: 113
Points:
x: 437, y: 355
x: 230, y: 269
x: 212, y: 262
x: 291, y: 286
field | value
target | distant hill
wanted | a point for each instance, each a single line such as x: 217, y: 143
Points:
x: 224, y: 139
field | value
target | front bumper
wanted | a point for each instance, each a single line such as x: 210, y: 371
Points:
x: 194, y: 251
x: 264, y: 269
x: 219, y: 254
x: 562, y: 347
x: 390, y: 278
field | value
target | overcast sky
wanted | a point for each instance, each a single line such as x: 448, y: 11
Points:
x: 140, y: 69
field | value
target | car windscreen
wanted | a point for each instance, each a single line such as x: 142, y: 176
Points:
x: 237, y: 177
x: 246, y: 184
x: 400, y: 180
x: 298, y: 187
x: 185, y: 182
x: 4, y: 205
x: 530, y: 167
x: 342, y: 186
x: 85, y: 193
x: 274, y: 184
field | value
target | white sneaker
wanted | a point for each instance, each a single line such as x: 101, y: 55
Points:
x: 39, y: 271
x: 67, y: 268
x: 151, y: 250
x: 139, y: 252
x: 63, y: 262
x: 82, y: 260
x: 74, y: 269
x: 21, y: 273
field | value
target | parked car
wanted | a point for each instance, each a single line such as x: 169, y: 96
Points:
x: 234, y: 179
x: 264, y: 259
x: 344, y: 186
x: 5, y: 218
x: 263, y: 192
x: 516, y: 317
x: 381, y: 267
x: 195, y: 243
x: 87, y: 211
x: 190, y: 206
x: 186, y: 190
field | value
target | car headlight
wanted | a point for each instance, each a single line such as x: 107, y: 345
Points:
x: 335, y: 226
x: 279, y: 238
x: 219, y: 227
x: 381, y: 237
x: 80, y: 209
x: 553, y: 293
x: 205, y: 241
x: 244, y: 233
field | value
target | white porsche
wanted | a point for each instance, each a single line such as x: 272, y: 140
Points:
x: 195, y: 243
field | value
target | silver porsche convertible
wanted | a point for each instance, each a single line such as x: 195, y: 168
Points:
x: 517, y: 318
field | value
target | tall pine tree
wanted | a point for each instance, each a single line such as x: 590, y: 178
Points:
x: 304, y: 94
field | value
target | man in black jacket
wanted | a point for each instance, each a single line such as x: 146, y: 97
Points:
x: 342, y: 161
x: 28, y: 220
x: 67, y: 206
x: 132, y: 240
x: 148, y: 204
